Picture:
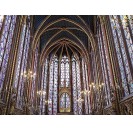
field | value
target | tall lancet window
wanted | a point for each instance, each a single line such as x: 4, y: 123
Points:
x: 21, y: 64
x: 5, y: 44
x: 53, y: 84
x: 33, y: 85
x: 1, y: 21
x: 76, y: 84
x: 44, y: 84
x: 85, y: 86
x: 65, y: 101
x: 128, y: 28
x: 65, y: 75
x: 75, y: 96
x: 63, y: 83
x: 124, y: 46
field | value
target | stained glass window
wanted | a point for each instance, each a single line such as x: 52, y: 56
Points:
x: 33, y: 84
x: 78, y: 86
x: 121, y: 52
x: 1, y: 21
x: 76, y: 83
x: 53, y: 84
x: 65, y: 72
x: 5, y: 45
x: 130, y: 17
x: 19, y: 79
x: 75, y: 97
x: 44, y: 86
x: 65, y: 102
x: 54, y: 91
x: 85, y: 85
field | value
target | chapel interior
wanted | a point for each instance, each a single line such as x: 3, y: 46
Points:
x: 66, y: 64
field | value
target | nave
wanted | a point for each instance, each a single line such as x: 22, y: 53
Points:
x: 66, y: 65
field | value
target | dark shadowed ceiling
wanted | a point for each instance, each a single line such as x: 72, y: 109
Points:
x: 62, y: 28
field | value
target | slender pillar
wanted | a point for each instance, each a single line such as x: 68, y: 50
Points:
x: 82, y: 86
x: 58, y: 89
x: 71, y: 85
x: 108, y: 55
x: 47, y: 87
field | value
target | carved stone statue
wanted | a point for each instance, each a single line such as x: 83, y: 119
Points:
x: 113, y: 95
x: 12, y: 105
x: 13, y: 101
x: 113, y: 101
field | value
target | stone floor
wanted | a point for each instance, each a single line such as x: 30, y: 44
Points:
x: 65, y: 113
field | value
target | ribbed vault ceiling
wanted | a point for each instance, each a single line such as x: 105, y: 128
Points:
x: 53, y: 28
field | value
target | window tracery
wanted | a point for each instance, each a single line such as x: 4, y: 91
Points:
x: 121, y: 52
x: 65, y: 101
x: 65, y: 72
x: 57, y: 74
x: 1, y: 21
x: 20, y: 79
x: 5, y: 45
x: 54, y: 90
x: 53, y: 85
x: 44, y: 88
